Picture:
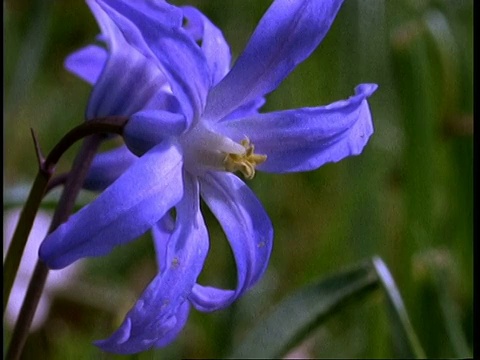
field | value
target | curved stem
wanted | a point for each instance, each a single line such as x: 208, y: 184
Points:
x: 32, y: 297
x: 46, y: 169
x: 72, y: 187
x: 58, y: 180
x: 112, y: 125
x: 19, y: 239
x: 41, y: 186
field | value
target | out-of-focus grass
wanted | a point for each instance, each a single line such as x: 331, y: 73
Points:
x: 407, y: 198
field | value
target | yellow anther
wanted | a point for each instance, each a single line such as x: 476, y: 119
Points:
x: 245, y: 163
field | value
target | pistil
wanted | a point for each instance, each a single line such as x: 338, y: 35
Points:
x: 246, y: 162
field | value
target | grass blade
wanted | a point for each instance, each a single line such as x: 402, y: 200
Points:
x: 295, y: 316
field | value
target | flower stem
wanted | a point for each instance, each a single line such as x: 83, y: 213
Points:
x: 27, y: 217
x: 41, y: 186
x: 27, y: 312
x: 73, y: 185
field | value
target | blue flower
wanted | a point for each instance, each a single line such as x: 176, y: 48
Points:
x: 193, y: 122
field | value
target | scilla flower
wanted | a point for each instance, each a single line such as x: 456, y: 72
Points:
x: 194, y: 124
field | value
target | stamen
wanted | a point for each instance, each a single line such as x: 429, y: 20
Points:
x: 245, y: 163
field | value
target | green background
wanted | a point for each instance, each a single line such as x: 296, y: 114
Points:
x: 407, y: 198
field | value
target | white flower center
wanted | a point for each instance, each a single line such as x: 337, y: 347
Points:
x: 205, y: 149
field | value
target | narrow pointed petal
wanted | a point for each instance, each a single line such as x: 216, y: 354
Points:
x: 248, y: 230
x: 124, y: 211
x: 183, y: 62
x: 164, y: 100
x: 87, y: 63
x: 161, y: 233
x: 287, y: 34
x: 248, y: 109
x: 129, y: 80
x: 160, y: 313
x: 182, y: 317
x: 108, y: 167
x: 154, y: 10
x: 147, y: 128
x: 213, y: 43
x: 305, y: 139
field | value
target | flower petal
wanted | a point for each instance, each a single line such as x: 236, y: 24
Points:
x: 107, y: 167
x: 249, y: 232
x: 124, y: 211
x: 286, y: 35
x: 164, y: 100
x: 213, y: 44
x: 87, y: 63
x: 129, y: 80
x: 305, y: 139
x: 159, y: 314
x: 154, y: 10
x: 248, y: 109
x: 161, y: 233
x: 172, y: 48
x: 170, y: 336
x: 147, y: 128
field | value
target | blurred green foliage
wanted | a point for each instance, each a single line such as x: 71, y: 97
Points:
x: 407, y: 198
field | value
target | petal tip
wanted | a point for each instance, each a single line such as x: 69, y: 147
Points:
x: 46, y: 253
x: 115, y: 342
x: 366, y: 89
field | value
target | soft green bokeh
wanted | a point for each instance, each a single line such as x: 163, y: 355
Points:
x: 407, y: 198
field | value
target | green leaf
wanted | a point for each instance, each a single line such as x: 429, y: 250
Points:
x: 294, y: 317
x: 405, y: 339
